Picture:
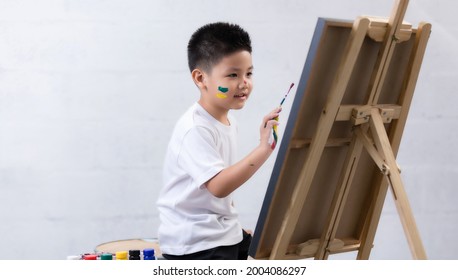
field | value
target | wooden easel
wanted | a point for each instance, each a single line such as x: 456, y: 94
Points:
x: 369, y: 136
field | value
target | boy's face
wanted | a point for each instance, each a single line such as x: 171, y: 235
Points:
x: 229, y: 84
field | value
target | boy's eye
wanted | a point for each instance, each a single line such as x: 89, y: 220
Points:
x: 249, y: 74
x: 233, y: 75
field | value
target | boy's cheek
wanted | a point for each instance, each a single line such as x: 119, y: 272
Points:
x: 222, y: 92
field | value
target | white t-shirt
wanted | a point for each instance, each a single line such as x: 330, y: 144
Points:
x: 192, y: 219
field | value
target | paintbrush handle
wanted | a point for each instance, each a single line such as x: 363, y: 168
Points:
x: 274, y: 128
x: 275, y: 134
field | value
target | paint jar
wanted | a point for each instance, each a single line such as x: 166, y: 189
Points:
x: 74, y: 258
x: 134, y: 254
x: 121, y: 255
x: 106, y: 257
x: 148, y: 254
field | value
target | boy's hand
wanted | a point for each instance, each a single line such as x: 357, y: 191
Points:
x: 232, y: 177
x: 268, y: 128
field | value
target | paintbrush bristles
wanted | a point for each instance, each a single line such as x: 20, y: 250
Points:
x: 290, y: 87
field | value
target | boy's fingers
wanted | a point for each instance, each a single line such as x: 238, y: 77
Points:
x: 272, y: 116
x: 271, y: 123
x: 276, y: 111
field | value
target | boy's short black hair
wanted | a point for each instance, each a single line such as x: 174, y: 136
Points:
x: 211, y: 42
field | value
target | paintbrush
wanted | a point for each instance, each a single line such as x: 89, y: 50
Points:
x: 290, y: 87
x: 274, y: 143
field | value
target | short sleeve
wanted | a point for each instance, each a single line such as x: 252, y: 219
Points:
x: 199, y: 156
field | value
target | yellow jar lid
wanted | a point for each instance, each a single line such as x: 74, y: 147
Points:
x: 121, y: 255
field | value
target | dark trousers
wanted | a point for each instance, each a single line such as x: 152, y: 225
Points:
x: 234, y: 252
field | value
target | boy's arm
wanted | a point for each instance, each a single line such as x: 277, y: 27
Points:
x: 232, y: 177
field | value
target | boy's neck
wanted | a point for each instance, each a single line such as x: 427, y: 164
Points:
x: 218, y: 113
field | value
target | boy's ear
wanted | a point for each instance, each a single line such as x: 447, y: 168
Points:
x: 198, y: 76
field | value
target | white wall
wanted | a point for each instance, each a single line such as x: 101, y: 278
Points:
x: 90, y: 90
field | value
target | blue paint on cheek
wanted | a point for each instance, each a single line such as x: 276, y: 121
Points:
x: 223, y: 89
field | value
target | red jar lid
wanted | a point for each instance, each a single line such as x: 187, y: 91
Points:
x: 90, y: 257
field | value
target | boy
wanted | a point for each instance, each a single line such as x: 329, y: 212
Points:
x: 198, y: 219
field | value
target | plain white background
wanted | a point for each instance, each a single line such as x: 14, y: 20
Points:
x: 90, y: 91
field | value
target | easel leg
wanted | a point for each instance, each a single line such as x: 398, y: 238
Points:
x: 340, y: 198
x: 380, y: 188
x: 402, y: 204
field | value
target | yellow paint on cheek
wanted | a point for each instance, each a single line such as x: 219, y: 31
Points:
x: 222, y: 92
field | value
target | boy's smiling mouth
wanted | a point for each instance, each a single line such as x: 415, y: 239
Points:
x: 241, y: 95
